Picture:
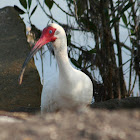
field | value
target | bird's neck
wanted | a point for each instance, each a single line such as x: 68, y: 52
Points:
x: 61, y: 54
x: 63, y: 63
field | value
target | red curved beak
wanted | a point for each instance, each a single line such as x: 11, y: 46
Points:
x: 42, y: 41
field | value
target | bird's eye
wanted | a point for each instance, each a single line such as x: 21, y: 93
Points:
x: 50, y: 31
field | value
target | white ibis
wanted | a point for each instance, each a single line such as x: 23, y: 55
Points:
x: 72, y: 88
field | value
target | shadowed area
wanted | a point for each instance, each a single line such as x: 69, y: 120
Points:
x: 113, y: 104
x: 13, y: 51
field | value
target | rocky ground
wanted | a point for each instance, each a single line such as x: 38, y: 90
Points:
x: 110, y: 120
x: 67, y: 125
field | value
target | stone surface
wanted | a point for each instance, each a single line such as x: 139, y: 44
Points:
x: 13, y: 51
x: 126, y: 103
x: 67, y: 125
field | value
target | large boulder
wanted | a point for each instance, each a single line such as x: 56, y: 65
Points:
x: 13, y: 51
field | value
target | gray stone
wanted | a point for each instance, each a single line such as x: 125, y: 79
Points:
x: 13, y: 51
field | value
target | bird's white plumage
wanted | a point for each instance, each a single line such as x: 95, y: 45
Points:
x: 71, y: 87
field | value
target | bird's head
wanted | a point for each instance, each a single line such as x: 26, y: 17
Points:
x: 52, y: 33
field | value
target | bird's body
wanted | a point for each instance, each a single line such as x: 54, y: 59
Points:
x: 70, y: 91
x: 71, y: 88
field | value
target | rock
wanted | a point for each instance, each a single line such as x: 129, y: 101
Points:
x: 68, y: 125
x: 125, y: 103
x: 13, y: 51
